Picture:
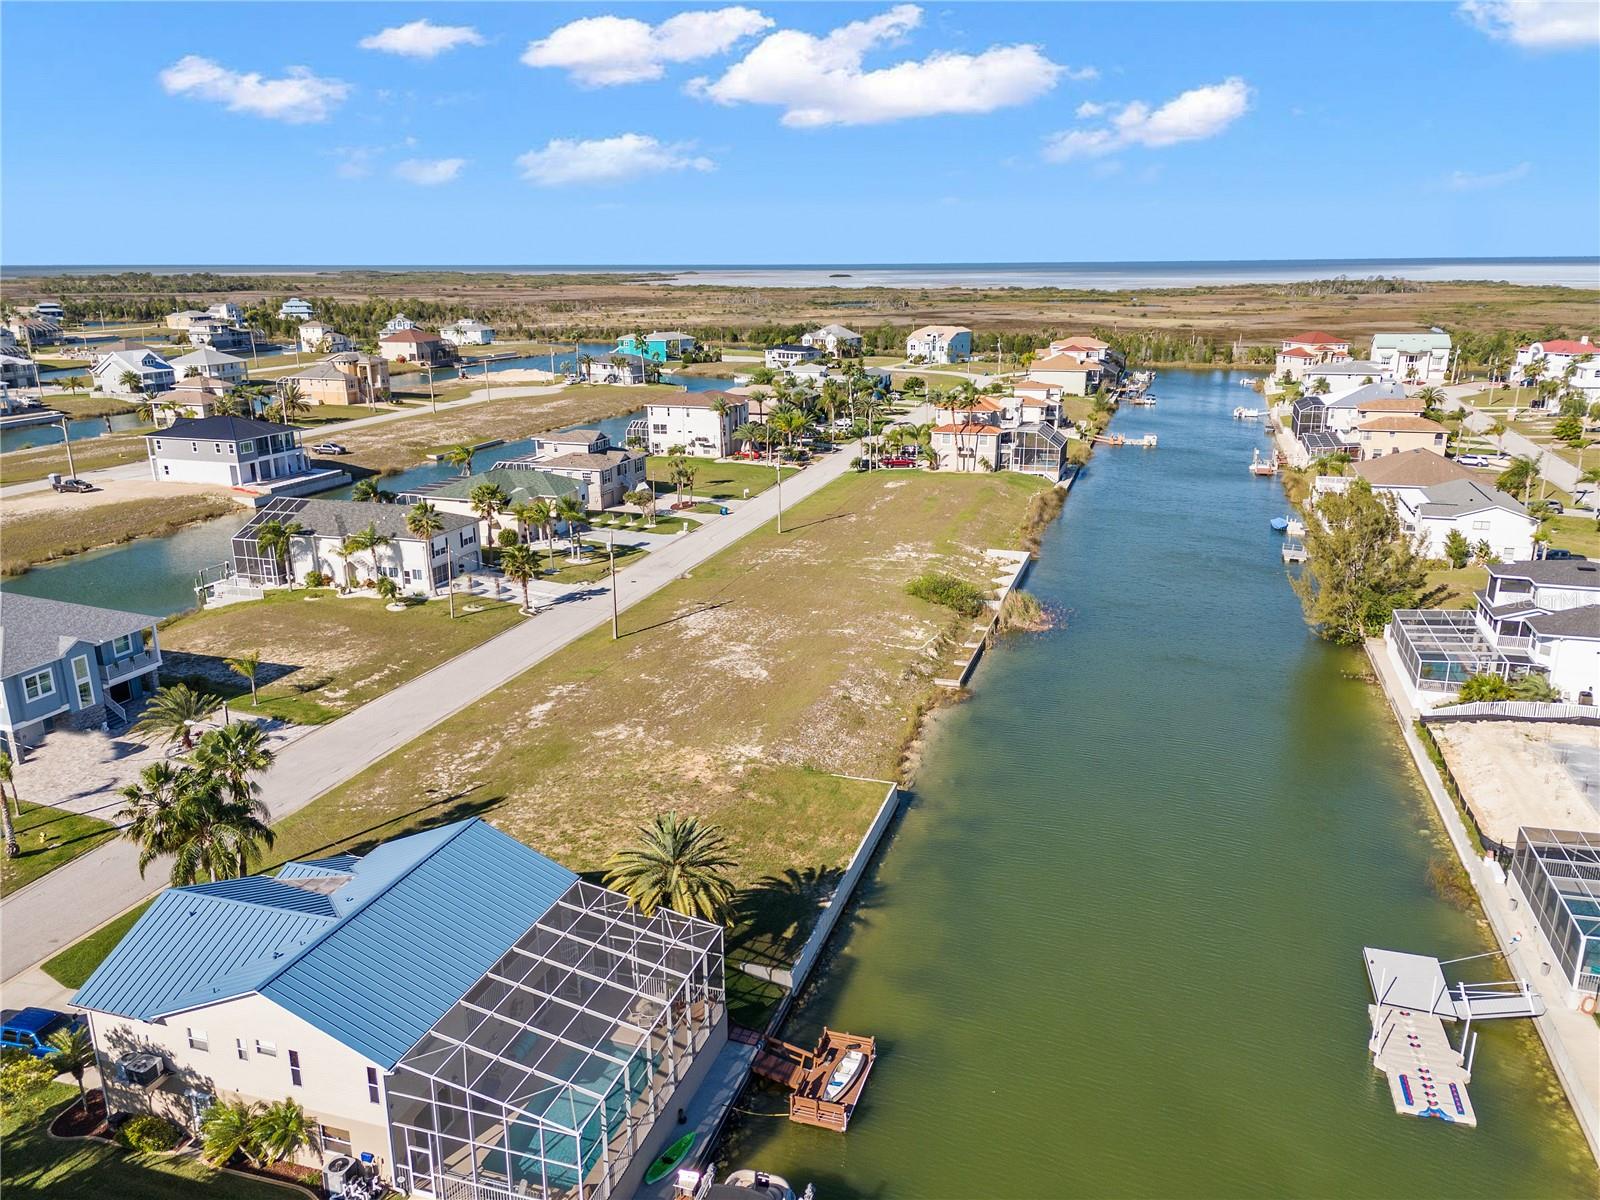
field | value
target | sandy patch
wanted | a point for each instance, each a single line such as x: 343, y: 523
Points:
x: 1514, y: 773
x: 112, y: 491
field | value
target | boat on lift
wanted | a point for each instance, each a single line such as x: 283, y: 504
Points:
x: 1263, y: 466
x: 1248, y: 414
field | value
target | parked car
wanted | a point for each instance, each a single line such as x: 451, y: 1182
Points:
x: 1471, y: 460
x: 30, y: 1029
x: 330, y: 448
x: 899, y: 462
x: 1557, y: 552
x: 72, y: 485
x: 1555, y: 506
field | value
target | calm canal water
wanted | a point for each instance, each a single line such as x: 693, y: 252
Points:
x: 1113, y: 948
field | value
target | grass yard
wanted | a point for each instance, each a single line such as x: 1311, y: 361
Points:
x: 73, y: 966
x: 718, y: 480
x: 89, y: 454
x: 80, y: 405
x: 49, y: 837
x: 1581, y: 535
x: 37, y: 1164
x: 1451, y: 587
x: 41, y: 536
x: 740, y: 693
x: 320, y: 655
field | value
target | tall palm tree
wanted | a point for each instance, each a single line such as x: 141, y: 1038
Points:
x: 173, y: 712
x: 366, y: 541
x: 280, y: 1130
x: 571, y: 511
x: 423, y: 521
x: 291, y: 402
x: 131, y: 382
x: 1519, y: 475
x: 228, y: 1128
x: 246, y: 666
x: 678, y: 864
x: 518, y: 565
x: 72, y: 1053
x: 460, y: 456
x: 7, y: 828
x: 542, y: 515
x: 275, y: 539
x: 487, y: 499
x: 233, y: 754
x: 152, y: 801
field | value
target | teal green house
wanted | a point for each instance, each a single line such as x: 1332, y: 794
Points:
x: 657, y: 346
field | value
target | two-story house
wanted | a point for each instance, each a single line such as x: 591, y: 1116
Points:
x: 1419, y: 359
x: 70, y: 666
x: 208, y: 361
x: 658, y: 346
x: 790, y: 354
x: 415, y: 346
x: 226, y: 311
x: 701, y: 422
x: 318, y: 337
x: 231, y: 451
x: 467, y: 332
x: 604, y: 472
x: 1571, y: 362
x: 115, y: 374
x: 835, y: 339
x: 348, y: 377
x: 940, y: 344
x: 295, y: 309
x: 476, y: 1019
x: 521, y: 482
x: 1308, y: 349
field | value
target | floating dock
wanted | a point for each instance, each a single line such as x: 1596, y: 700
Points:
x: 806, y: 1074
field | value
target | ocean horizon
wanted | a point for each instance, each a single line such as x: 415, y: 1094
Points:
x: 1575, y: 271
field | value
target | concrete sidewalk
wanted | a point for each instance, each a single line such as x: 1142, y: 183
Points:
x: 55, y: 911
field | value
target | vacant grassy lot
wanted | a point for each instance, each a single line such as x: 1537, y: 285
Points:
x: 718, y: 480
x: 1578, y: 534
x: 82, y: 404
x: 396, y: 445
x: 37, y: 1164
x: 735, y: 694
x: 49, y: 837
x: 321, y: 655
x: 89, y: 454
x: 1450, y: 587
x: 41, y: 536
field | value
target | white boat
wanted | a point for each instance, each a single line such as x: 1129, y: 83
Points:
x: 1247, y: 414
x: 755, y: 1185
x: 843, y: 1074
x: 1262, y: 466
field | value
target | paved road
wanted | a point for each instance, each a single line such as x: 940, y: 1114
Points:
x: 77, y: 898
x: 1551, y: 465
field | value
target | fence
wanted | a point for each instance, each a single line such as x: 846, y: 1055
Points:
x: 1516, y: 710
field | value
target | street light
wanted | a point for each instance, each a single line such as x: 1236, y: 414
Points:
x: 611, y: 535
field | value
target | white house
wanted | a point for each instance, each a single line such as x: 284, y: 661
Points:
x: 1416, y: 358
x: 791, y: 353
x: 317, y: 337
x: 216, y: 364
x: 155, y: 373
x: 1559, y: 355
x: 617, y: 367
x: 18, y: 371
x: 1345, y: 373
x: 196, y: 396
x: 1307, y: 349
x: 467, y: 332
x: 693, y: 421
x: 835, y: 339
x: 210, y: 331
x: 50, y: 310
x: 229, y: 451
x: 940, y: 343
x: 295, y: 309
x: 225, y: 311
x: 398, y: 322
x: 1082, y: 347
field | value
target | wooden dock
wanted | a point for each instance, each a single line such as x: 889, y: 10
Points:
x: 806, y: 1073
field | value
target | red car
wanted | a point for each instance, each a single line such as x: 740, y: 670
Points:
x: 899, y: 462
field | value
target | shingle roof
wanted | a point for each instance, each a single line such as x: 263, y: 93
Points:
x: 836, y: 331
x: 1061, y: 362
x: 374, y: 962
x: 1460, y: 497
x: 341, y: 518
x: 522, y: 484
x: 1412, y: 468
x: 584, y: 461
x: 1580, y: 622
x: 225, y: 429
x: 696, y: 400
x: 35, y: 632
x: 205, y: 357
x: 410, y: 335
x: 1401, y: 423
x: 1558, y: 572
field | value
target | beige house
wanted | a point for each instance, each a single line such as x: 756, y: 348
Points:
x: 1071, y: 375
x: 969, y: 445
x: 349, y: 377
x: 370, y: 988
x: 415, y: 346
x: 1396, y: 433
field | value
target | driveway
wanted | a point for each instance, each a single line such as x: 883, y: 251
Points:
x: 55, y: 911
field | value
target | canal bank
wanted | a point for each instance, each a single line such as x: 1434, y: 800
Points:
x: 1113, y: 945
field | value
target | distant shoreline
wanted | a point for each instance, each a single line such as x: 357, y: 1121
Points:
x: 1572, y: 271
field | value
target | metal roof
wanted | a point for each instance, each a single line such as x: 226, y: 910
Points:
x: 35, y: 632
x: 373, y: 962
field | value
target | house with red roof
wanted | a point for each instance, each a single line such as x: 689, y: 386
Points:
x: 1311, y: 348
x: 1559, y: 356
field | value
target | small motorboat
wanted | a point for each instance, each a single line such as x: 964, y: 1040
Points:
x: 1279, y: 524
x: 755, y: 1185
x: 1247, y: 414
x: 843, y: 1074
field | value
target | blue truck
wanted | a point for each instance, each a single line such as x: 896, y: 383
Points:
x: 30, y: 1029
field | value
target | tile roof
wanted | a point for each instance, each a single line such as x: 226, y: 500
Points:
x: 35, y: 632
x: 1295, y: 352
x: 449, y: 902
x: 1564, y: 346
x: 1316, y: 337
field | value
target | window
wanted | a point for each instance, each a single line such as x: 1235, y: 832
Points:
x: 122, y: 645
x: 266, y: 1049
x: 334, y: 1141
x: 39, y: 685
x: 238, y: 1048
x: 294, y: 1067
x: 245, y: 447
x: 80, y: 676
x: 372, y: 1084
x: 197, y: 1039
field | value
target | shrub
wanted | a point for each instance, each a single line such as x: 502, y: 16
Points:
x: 507, y: 537
x: 318, y: 579
x: 939, y: 588
x: 148, y: 1133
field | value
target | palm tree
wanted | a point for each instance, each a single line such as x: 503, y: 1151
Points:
x: 291, y: 402
x: 366, y: 489
x: 542, y: 516
x: 487, y: 499
x: 213, y: 834
x: 749, y: 433
x: 679, y: 864
x: 232, y: 754
x: 7, y: 828
x: 280, y: 1131
x: 1431, y: 396
x: 518, y: 565
x: 174, y: 711
x: 151, y: 803
x: 228, y: 1128
x: 1519, y: 476
x: 460, y: 456
x: 131, y: 382
x: 423, y: 520
x: 1536, y: 688
x: 366, y: 541
x: 571, y: 512
x: 1497, y: 430
x: 246, y: 665
x: 72, y: 1053
x: 275, y: 539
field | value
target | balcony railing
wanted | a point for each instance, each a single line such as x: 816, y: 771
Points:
x: 124, y: 667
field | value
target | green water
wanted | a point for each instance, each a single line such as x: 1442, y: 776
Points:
x: 1113, y: 946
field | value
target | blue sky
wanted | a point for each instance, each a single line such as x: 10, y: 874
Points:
x: 555, y: 133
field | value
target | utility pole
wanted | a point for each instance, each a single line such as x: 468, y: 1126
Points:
x: 450, y: 566
x: 611, y: 535
x: 777, y: 466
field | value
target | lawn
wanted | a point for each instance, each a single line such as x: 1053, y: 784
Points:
x: 596, y: 564
x: 49, y: 838
x: 718, y: 480
x: 740, y: 693
x: 37, y: 1164
x: 321, y: 655
x: 1581, y: 535
x: 71, y: 529
x: 73, y: 966
x: 88, y: 454
x: 1452, y: 587
x: 80, y: 405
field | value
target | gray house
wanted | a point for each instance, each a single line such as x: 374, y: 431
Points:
x: 70, y: 666
x: 228, y: 451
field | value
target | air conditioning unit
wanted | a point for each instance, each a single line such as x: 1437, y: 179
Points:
x: 141, y: 1069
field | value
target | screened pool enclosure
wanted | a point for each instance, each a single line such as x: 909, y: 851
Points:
x: 546, y: 1077
x: 1444, y: 647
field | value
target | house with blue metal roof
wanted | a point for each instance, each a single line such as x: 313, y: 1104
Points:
x: 447, y: 975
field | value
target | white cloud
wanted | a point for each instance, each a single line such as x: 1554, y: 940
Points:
x: 1536, y: 24
x: 1089, y: 109
x: 599, y: 51
x: 422, y: 39
x: 298, y: 98
x: 1467, y: 181
x: 355, y: 162
x: 429, y: 172
x: 821, y: 81
x: 607, y: 160
x: 1199, y: 113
